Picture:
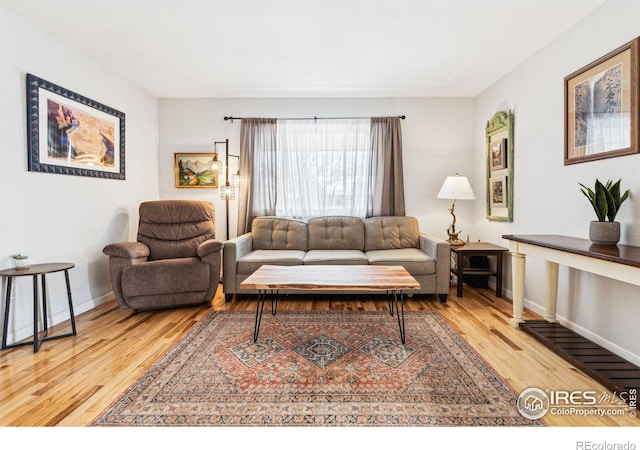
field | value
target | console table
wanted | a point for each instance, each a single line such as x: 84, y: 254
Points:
x: 621, y: 262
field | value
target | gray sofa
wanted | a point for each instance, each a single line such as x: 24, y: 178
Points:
x: 338, y: 240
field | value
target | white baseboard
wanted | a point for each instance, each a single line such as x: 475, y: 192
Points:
x: 602, y: 342
x: 27, y: 331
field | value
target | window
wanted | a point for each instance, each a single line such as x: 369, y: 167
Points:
x: 304, y: 168
x: 323, y: 167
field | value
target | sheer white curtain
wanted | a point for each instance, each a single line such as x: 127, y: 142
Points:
x: 323, y: 167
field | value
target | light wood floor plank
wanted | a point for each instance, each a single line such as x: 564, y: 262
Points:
x: 72, y: 380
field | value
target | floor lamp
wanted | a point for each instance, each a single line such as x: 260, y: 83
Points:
x: 228, y: 190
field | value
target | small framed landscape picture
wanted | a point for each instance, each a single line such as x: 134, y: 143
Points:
x: 498, y: 154
x: 196, y: 170
x: 498, y: 191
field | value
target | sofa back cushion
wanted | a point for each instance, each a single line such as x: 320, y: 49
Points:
x: 175, y: 228
x: 336, y: 233
x: 278, y: 233
x: 391, y: 232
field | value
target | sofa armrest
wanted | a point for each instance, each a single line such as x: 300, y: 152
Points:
x: 234, y: 249
x: 440, y: 250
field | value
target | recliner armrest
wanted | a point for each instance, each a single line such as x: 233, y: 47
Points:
x: 129, y: 250
x: 122, y: 255
x: 209, y: 246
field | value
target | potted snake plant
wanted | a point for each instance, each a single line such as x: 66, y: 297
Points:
x: 606, y: 200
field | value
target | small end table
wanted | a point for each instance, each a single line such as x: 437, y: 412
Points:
x: 460, y: 269
x: 42, y: 270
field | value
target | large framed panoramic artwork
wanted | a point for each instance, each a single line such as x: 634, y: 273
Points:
x: 73, y: 135
x: 601, y: 107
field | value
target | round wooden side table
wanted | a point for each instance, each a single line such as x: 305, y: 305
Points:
x: 34, y: 271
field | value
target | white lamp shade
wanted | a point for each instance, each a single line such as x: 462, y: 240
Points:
x: 457, y: 188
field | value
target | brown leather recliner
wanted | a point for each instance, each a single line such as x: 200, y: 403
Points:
x: 175, y: 261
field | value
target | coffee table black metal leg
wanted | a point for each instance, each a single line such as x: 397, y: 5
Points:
x: 274, y: 303
x: 400, y: 312
x: 401, y: 323
x: 262, y: 298
x: 262, y: 294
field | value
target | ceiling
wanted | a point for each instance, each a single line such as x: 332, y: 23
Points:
x: 306, y: 48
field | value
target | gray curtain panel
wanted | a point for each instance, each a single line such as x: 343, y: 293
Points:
x: 258, y: 169
x: 387, y: 188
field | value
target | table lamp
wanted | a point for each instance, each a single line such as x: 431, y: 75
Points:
x: 455, y: 188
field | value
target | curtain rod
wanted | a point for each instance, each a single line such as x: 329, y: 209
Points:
x: 308, y: 118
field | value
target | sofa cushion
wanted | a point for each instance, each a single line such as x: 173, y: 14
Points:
x: 277, y: 233
x: 414, y: 260
x: 166, y: 276
x: 342, y: 257
x: 336, y: 233
x: 252, y: 261
x: 392, y: 232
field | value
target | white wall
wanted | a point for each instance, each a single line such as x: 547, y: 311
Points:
x: 437, y: 141
x: 547, y: 197
x: 54, y: 217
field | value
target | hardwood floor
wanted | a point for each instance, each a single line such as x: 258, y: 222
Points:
x: 72, y: 380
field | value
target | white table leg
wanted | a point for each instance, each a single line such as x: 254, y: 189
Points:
x: 552, y: 291
x: 517, y: 265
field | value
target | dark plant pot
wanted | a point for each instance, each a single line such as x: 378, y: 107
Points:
x: 604, y: 233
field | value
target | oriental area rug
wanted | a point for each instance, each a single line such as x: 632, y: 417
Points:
x: 315, y: 368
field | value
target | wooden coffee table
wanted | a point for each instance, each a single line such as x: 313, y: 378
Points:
x: 393, y: 280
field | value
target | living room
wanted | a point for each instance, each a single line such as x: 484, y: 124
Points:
x: 442, y: 135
